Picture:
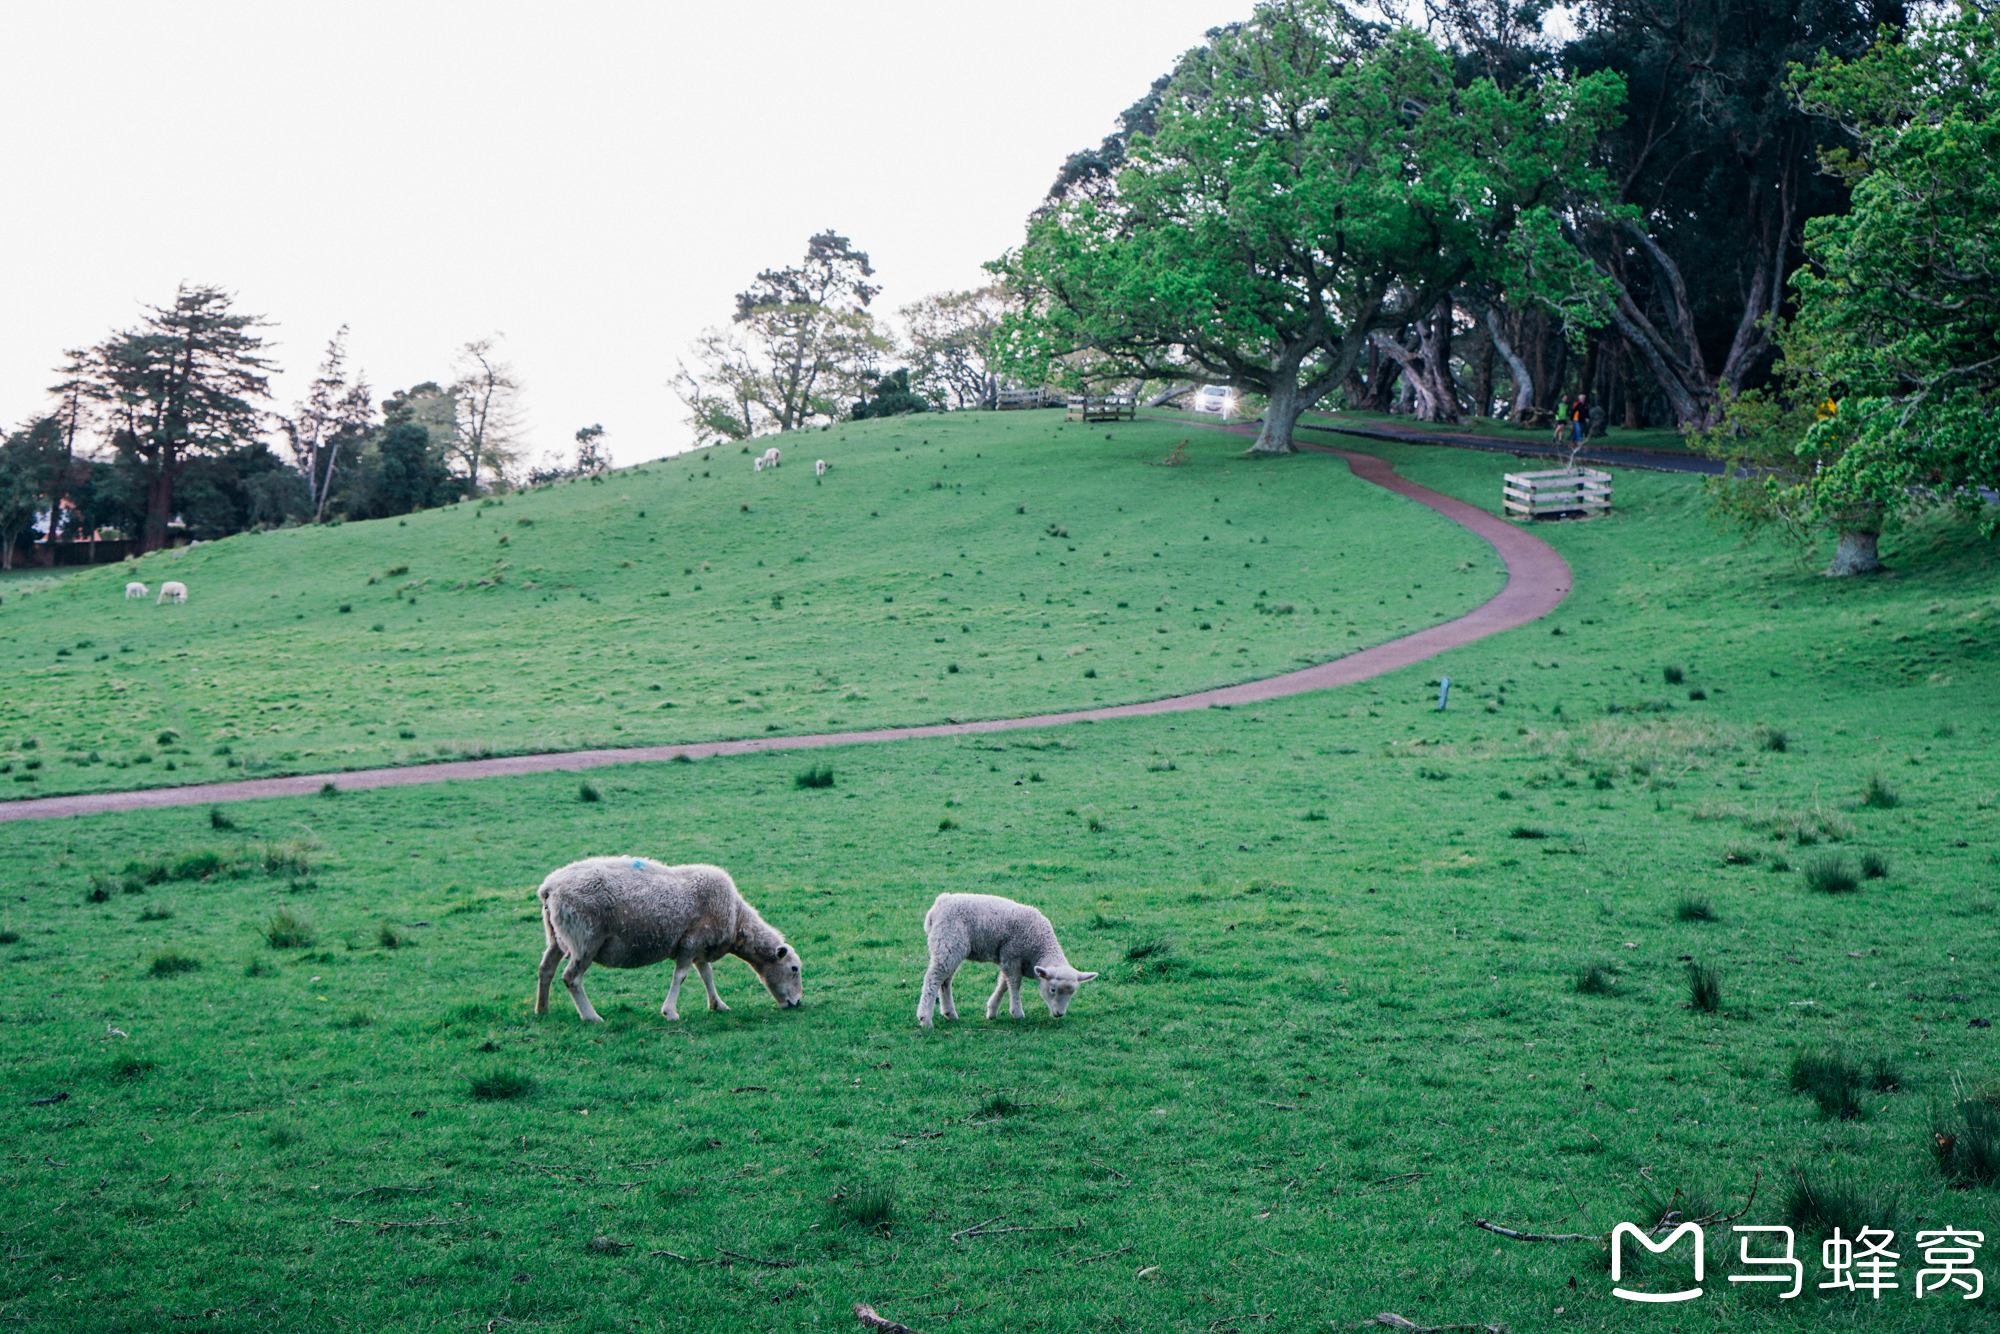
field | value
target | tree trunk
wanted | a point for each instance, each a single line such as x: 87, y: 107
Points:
x: 1524, y: 380
x: 159, y: 509
x: 1856, y: 553
x: 1274, y: 436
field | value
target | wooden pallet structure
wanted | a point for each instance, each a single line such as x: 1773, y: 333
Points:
x: 1007, y: 400
x: 1105, y: 408
x: 1563, y: 493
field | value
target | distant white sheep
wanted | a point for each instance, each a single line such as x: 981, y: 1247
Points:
x: 756, y: 465
x: 819, y: 467
x: 173, y: 588
x: 771, y: 457
x: 990, y: 929
x: 135, y: 590
x: 628, y: 912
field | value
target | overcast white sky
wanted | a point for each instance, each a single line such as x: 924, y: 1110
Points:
x: 593, y: 180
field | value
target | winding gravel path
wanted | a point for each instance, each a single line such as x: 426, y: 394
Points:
x: 1537, y: 581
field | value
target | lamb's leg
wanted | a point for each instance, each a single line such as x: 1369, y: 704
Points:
x: 937, y: 983
x: 950, y: 1008
x: 1013, y: 981
x: 993, y: 1001
x: 671, y: 1008
x: 708, y: 981
x: 573, y: 979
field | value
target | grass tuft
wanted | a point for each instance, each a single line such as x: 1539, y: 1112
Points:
x: 1833, y: 1081
x: 1672, y: 675
x: 1817, y: 1205
x: 819, y: 775
x: 946, y: 825
x: 1527, y: 831
x: 870, y: 1208
x: 586, y: 793
x: 1694, y: 908
x: 1878, y: 795
x: 1874, y: 866
x: 287, y: 930
x: 1704, y: 987
x: 219, y: 818
x: 1149, y: 949
x: 1831, y: 873
x: 1594, y: 980
x: 386, y: 936
x: 1965, y: 1143
x: 500, y: 1086
x: 172, y: 963
x: 1773, y: 739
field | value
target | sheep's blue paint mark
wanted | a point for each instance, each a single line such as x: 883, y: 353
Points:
x: 636, y: 862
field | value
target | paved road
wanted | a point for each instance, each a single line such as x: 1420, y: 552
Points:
x: 1610, y: 456
x: 1537, y: 581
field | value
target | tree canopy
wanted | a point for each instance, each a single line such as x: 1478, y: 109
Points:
x: 1309, y: 181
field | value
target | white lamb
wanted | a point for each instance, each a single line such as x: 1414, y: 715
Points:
x: 756, y: 465
x: 627, y: 912
x: 990, y: 929
x: 135, y: 591
x: 819, y: 467
x: 771, y: 457
x: 173, y: 588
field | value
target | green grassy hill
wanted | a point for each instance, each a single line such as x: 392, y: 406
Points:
x: 1370, y: 972
x: 968, y: 566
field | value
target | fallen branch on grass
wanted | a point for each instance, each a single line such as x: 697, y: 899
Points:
x: 384, y: 1227
x: 671, y: 1255
x: 1402, y: 1176
x: 1668, y: 1221
x: 1281, y: 1106
x: 982, y: 1230
x: 1394, y: 1321
x: 868, y: 1316
x: 751, y: 1088
x: 1091, y: 1260
x: 768, y: 1264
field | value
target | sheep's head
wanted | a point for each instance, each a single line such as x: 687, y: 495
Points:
x: 1058, y: 986
x: 782, y: 978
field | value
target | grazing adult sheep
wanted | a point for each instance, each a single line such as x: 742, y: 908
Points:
x: 173, y: 588
x: 771, y: 457
x: 990, y: 929
x: 135, y: 590
x: 628, y: 912
x: 819, y: 467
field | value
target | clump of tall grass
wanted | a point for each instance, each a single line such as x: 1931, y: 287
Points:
x: 1835, y: 1081
x: 1965, y: 1141
x: 586, y: 793
x: 1672, y: 675
x: 172, y: 963
x: 1594, y: 980
x: 820, y: 775
x: 1817, y: 1205
x: 868, y: 1207
x: 287, y: 930
x: 1831, y: 873
x: 1874, y: 866
x: 500, y: 1086
x: 1704, y: 987
x: 1694, y: 908
x: 1773, y: 739
x: 1878, y: 795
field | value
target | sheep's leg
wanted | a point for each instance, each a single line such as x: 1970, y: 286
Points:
x: 671, y: 1007
x: 993, y: 1001
x: 1012, y: 981
x: 708, y: 981
x: 950, y: 1009
x: 550, y: 958
x: 573, y: 979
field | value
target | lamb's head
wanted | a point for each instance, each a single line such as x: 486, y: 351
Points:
x: 779, y: 967
x: 1059, y: 985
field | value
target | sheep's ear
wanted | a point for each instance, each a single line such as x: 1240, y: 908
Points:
x: 1041, y: 972
x: 782, y: 951
x: 1085, y: 977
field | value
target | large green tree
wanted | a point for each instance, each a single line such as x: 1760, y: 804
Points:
x: 187, y: 382
x: 1307, y: 181
x: 1893, y: 357
x: 328, y: 428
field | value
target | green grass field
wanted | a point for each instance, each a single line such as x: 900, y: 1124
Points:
x: 1371, y: 971
x: 966, y: 567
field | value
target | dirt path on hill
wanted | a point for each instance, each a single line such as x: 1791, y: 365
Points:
x: 1537, y: 581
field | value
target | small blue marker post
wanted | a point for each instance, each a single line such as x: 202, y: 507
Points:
x: 1444, y: 693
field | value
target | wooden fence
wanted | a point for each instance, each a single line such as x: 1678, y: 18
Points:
x: 1025, y: 398
x: 1107, y: 408
x: 1560, y: 494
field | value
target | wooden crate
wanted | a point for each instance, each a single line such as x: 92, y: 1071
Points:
x: 1109, y: 408
x: 1561, y: 493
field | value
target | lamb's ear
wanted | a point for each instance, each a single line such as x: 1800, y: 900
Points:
x: 783, y: 950
x: 1085, y: 977
x: 1041, y: 972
